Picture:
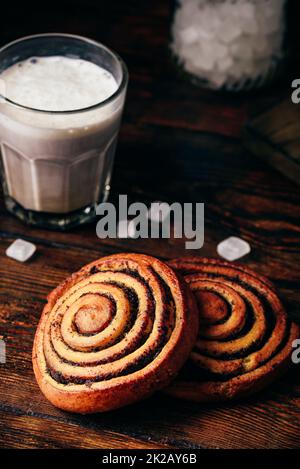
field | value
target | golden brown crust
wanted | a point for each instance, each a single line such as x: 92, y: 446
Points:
x: 246, y: 337
x: 113, y: 333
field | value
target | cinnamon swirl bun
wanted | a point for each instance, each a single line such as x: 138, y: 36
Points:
x: 113, y: 333
x: 245, y: 338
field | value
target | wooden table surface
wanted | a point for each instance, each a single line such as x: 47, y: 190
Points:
x: 177, y: 143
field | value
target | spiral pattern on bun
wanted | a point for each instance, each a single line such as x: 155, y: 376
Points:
x: 245, y: 338
x: 113, y: 333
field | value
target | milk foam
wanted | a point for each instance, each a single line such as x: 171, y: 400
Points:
x: 57, y: 83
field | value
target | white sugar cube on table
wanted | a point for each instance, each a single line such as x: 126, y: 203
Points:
x: 21, y: 250
x: 233, y: 248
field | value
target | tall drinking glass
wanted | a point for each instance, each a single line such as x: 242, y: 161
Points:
x: 57, y: 164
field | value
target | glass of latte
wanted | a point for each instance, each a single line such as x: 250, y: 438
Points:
x: 61, y: 102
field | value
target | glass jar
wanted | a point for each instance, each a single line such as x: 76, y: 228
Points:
x: 229, y: 44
